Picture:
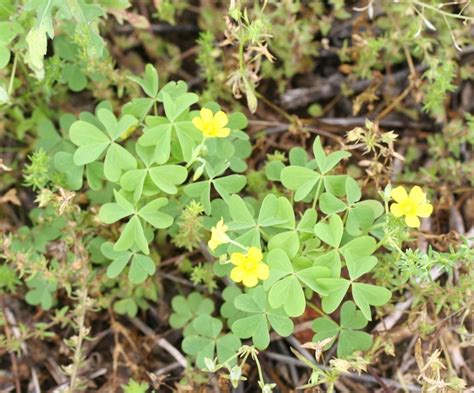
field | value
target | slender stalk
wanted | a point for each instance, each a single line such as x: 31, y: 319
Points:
x: 318, y: 190
x: 12, y: 76
x: 440, y: 11
x: 196, y: 153
x: 80, y: 338
x: 264, y: 234
x: 241, y: 55
x: 259, y: 368
x: 316, y: 308
x: 237, y: 244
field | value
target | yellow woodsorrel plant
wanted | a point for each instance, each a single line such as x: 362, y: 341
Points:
x: 310, y: 242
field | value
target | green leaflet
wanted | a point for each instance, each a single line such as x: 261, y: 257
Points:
x: 141, y: 266
x: 285, y: 285
x: 225, y: 186
x: 326, y: 163
x: 186, y: 309
x: 133, y: 233
x: 317, y: 236
x: 92, y: 142
x: 174, y: 130
x: 258, y: 317
x: 349, y: 338
x: 207, y: 341
x: 41, y: 291
x: 299, y: 179
x: 330, y: 233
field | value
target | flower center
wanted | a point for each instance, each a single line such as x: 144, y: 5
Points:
x: 408, y: 207
x: 210, y: 128
x: 249, y: 265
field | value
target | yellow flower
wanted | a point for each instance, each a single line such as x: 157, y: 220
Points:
x: 411, y: 206
x: 249, y: 267
x: 218, y: 235
x: 212, y: 125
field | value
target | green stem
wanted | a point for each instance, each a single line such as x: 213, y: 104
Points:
x: 235, y: 355
x: 344, y: 219
x: 241, y: 55
x: 316, y: 194
x: 77, y: 359
x: 226, y: 361
x: 237, y: 244
x: 264, y: 234
x: 440, y: 11
x: 196, y: 153
x: 244, y: 360
x: 259, y: 368
x: 380, y: 244
x: 140, y: 122
x: 12, y: 77
x: 316, y: 308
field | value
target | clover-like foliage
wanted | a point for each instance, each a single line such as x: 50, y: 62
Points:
x: 315, y: 237
x: 206, y: 340
x: 259, y: 317
x: 133, y: 232
x: 186, y: 309
x: 93, y: 137
x: 350, y: 339
x: 141, y: 266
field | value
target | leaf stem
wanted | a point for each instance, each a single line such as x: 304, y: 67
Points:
x: 316, y: 308
x: 12, y: 77
x: 196, y: 153
x: 237, y: 244
x: 264, y: 234
x: 316, y: 194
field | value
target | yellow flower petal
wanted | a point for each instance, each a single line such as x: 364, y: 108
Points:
x: 213, y: 244
x: 399, y: 194
x: 396, y: 210
x: 221, y: 119
x: 417, y: 195
x: 237, y: 258
x: 249, y: 268
x: 254, y: 254
x: 412, y: 221
x: 250, y: 280
x: 220, y: 226
x: 237, y: 274
x: 212, y: 125
x: 424, y: 210
x: 262, y: 271
x: 223, y: 132
x: 197, y: 121
x: 206, y: 115
x: 218, y: 235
